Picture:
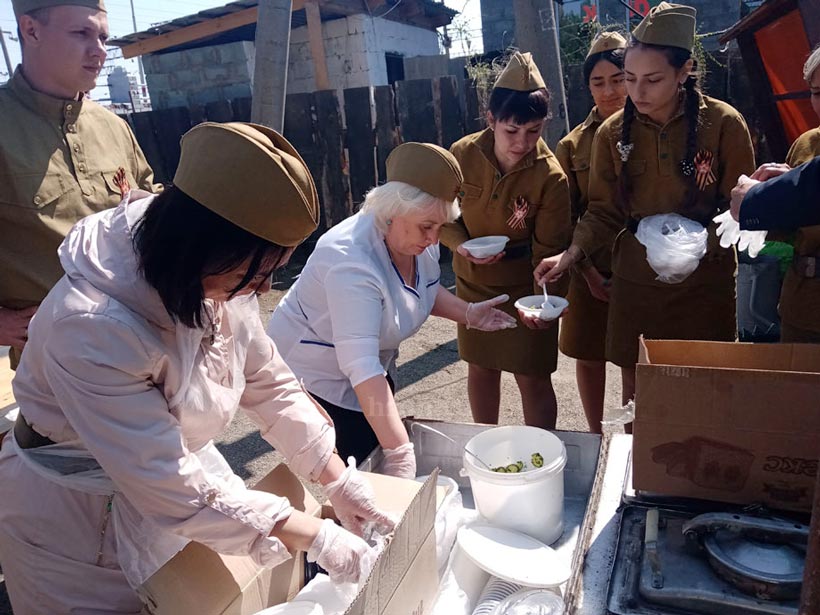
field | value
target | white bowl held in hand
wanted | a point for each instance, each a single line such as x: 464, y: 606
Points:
x: 534, y: 304
x: 484, y: 247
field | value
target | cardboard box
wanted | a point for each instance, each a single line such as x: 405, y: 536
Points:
x: 198, y: 581
x: 728, y: 421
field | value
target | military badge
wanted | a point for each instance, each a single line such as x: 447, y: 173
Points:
x: 121, y: 181
x: 520, y: 210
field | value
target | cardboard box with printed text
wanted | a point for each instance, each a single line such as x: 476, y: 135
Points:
x: 730, y: 422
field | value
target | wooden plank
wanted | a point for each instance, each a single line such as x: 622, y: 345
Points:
x: 169, y: 126
x: 147, y: 138
x: 387, y: 128
x: 474, y: 118
x: 219, y: 111
x: 452, y: 121
x: 191, y: 33
x: 242, y: 109
x: 360, y: 141
x: 317, y: 45
x: 417, y: 120
x: 334, y: 183
x: 300, y: 130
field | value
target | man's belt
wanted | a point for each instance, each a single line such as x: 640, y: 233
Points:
x: 807, y: 266
x: 26, y: 436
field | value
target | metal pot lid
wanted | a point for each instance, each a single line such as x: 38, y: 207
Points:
x: 765, y: 562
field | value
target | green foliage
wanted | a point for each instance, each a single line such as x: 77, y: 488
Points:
x: 574, y: 37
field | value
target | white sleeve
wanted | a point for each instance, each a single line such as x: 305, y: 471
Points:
x: 101, y: 373
x: 355, y: 301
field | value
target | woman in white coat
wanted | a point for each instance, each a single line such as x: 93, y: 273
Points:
x: 137, y: 359
x: 370, y: 283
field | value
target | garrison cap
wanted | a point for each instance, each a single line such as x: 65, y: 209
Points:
x: 21, y: 7
x: 521, y: 74
x: 426, y: 166
x: 606, y: 41
x: 251, y: 176
x: 671, y: 25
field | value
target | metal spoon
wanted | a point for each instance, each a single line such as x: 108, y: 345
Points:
x: 446, y: 437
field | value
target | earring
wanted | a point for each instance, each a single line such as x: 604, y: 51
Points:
x: 389, y: 221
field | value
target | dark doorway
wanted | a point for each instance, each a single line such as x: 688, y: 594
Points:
x: 395, y: 67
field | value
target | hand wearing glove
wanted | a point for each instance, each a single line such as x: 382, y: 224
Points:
x: 340, y: 553
x: 728, y: 229
x: 485, y: 317
x: 354, y: 501
x: 400, y: 461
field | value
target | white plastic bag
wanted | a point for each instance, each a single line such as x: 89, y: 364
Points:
x: 730, y: 234
x: 674, y: 245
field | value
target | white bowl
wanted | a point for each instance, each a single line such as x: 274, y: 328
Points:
x: 484, y: 247
x: 534, y: 304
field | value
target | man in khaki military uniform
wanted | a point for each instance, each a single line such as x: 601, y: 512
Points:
x: 62, y: 156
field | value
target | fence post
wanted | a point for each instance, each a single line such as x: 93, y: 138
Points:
x: 360, y: 140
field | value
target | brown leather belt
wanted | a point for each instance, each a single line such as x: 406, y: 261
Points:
x: 807, y: 266
x: 26, y: 437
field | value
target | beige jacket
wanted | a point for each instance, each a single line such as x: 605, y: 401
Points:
x: 107, y: 370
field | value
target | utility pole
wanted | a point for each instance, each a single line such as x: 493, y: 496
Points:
x: 139, y: 59
x: 536, y: 31
x: 6, y: 51
x: 270, y: 72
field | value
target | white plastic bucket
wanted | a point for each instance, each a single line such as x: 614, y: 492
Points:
x: 531, y: 502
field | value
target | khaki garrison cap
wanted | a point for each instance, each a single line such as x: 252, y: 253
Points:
x: 426, y: 166
x: 251, y: 176
x: 521, y: 74
x: 21, y: 7
x: 671, y: 25
x: 606, y: 41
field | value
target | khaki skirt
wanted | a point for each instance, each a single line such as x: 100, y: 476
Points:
x: 671, y: 313
x: 519, y: 351
x: 583, y: 329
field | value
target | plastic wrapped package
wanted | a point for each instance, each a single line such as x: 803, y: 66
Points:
x: 674, y: 245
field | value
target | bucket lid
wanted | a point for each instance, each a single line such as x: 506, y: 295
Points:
x: 513, y: 556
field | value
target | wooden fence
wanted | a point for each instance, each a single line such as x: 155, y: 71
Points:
x: 344, y: 140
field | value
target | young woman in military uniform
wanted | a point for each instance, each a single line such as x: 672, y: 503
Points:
x: 514, y: 186
x: 583, y: 329
x: 800, y: 297
x: 672, y: 150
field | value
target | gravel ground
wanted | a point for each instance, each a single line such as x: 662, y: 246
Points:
x: 432, y: 383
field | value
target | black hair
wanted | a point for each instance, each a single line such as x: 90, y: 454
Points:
x: 179, y: 242
x: 677, y: 57
x: 613, y: 56
x: 520, y: 107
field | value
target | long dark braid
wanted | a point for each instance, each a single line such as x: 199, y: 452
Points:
x: 625, y: 145
x: 692, y: 114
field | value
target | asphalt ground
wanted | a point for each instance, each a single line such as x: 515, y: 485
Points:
x: 431, y: 383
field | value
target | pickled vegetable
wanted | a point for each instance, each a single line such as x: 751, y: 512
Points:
x: 537, y: 460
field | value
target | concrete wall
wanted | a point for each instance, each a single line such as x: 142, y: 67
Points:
x: 497, y: 24
x: 354, y: 49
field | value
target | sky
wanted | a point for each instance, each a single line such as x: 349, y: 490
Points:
x: 150, y: 12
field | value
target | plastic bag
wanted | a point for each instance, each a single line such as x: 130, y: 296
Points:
x: 674, y: 245
x: 730, y: 234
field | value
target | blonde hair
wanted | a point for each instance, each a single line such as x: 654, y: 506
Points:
x: 395, y: 199
x: 812, y: 64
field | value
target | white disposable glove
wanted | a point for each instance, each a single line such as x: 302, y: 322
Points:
x: 344, y: 556
x: 400, y: 461
x: 728, y: 229
x: 485, y: 317
x: 354, y: 501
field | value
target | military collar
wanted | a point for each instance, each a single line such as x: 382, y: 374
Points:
x: 48, y: 106
x: 678, y: 114
x: 593, y: 118
x: 486, y: 142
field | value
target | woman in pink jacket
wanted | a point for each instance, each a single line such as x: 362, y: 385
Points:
x: 137, y: 359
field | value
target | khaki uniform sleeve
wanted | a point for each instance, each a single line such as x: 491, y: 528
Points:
x: 454, y: 233
x: 735, y: 139
x: 603, y: 219
x: 564, y: 154
x: 553, y: 225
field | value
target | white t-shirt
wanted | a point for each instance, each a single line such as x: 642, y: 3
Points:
x: 341, y: 323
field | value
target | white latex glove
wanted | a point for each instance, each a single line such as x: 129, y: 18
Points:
x: 341, y: 553
x: 354, y: 501
x: 400, y: 461
x: 728, y: 229
x: 756, y: 241
x: 485, y: 317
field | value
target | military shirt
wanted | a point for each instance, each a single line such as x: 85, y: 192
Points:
x: 574, y: 152
x: 59, y: 161
x: 530, y: 204
x: 658, y: 187
x: 800, y: 297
